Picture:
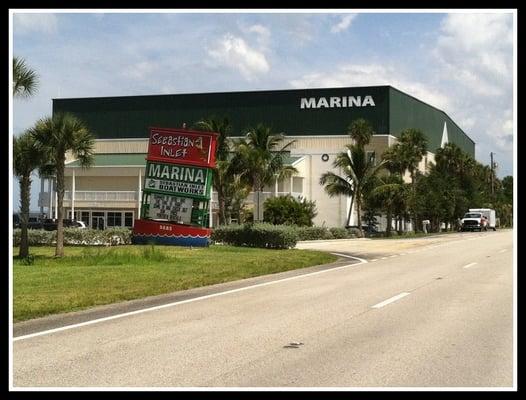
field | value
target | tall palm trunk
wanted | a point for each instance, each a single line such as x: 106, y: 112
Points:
x: 257, y: 196
x: 413, y: 212
x: 350, y: 212
x: 25, y: 185
x: 389, y: 218
x: 222, y: 208
x: 59, y: 251
x: 358, y: 212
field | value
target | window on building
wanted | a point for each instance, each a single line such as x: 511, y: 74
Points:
x: 371, y: 156
x: 84, y: 217
x: 114, y: 219
x: 297, y: 185
x: 97, y: 220
x: 128, y: 219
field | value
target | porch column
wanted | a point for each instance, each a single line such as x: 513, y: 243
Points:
x: 41, y: 197
x: 50, y: 204
x: 210, y: 216
x: 73, y: 195
x: 291, y: 185
x: 139, y: 195
x: 276, y: 187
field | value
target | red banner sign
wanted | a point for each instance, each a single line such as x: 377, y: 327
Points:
x: 182, y: 146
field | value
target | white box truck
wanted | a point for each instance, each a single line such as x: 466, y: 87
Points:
x: 479, y: 219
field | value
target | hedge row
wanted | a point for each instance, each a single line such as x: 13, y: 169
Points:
x: 75, y: 236
x: 262, y: 235
x: 275, y: 236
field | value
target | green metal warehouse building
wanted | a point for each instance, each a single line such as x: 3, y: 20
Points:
x: 108, y: 194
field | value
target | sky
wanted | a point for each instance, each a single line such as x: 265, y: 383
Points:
x: 461, y: 63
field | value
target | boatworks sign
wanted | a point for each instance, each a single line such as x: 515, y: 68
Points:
x: 178, y: 179
x: 182, y: 147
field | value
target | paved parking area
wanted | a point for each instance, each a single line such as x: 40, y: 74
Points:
x: 379, y: 248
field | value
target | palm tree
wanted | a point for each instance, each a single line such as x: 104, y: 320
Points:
x: 220, y: 126
x: 453, y: 161
x: 231, y: 189
x: 261, y: 153
x: 394, y: 160
x: 26, y: 158
x: 222, y: 174
x: 358, y: 171
x: 56, y: 136
x: 360, y: 131
x: 413, y: 146
x: 25, y: 80
x: 237, y: 192
x: 391, y: 193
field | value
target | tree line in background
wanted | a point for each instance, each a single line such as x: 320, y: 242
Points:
x: 452, y: 184
x: 455, y: 181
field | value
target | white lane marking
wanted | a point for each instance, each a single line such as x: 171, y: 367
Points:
x: 503, y: 250
x: 390, y: 300
x: 345, y: 255
x: 469, y: 265
x: 374, y: 259
x: 394, y: 255
x: 383, y: 258
x: 94, y: 321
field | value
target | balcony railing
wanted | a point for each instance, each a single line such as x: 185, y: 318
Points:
x: 89, y: 195
x: 265, y: 196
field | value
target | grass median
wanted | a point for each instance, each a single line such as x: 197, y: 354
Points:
x: 91, y: 276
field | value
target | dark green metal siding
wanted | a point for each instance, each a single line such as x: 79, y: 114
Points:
x: 407, y: 112
x: 130, y: 117
x: 394, y: 111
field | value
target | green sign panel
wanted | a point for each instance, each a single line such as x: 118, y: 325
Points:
x: 177, y: 179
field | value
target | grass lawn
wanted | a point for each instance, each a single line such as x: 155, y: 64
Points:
x: 90, y: 276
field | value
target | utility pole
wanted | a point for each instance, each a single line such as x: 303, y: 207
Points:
x: 492, y: 173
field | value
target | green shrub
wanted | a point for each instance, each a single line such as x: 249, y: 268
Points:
x: 314, y: 233
x: 289, y: 211
x: 74, y: 236
x: 261, y: 235
x: 340, y: 233
x: 36, y: 237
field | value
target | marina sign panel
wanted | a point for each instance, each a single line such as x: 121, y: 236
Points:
x: 176, y: 179
x: 182, y: 146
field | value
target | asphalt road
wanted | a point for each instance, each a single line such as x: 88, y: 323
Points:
x: 436, y: 314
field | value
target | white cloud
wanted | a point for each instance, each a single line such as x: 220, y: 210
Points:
x: 372, y: 75
x: 139, y: 70
x: 475, y: 66
x: 234, y: 52
x: 260, y: 29
x: 263, y: 36
x: 39, y: 22
x: 475, y: 50
x: 344, y: 24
